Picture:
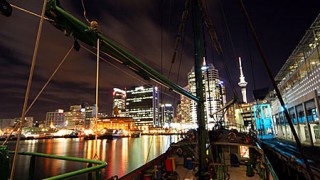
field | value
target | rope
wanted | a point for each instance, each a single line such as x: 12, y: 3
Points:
x: 120, y: 69
x: 30, y: 12
x: 149, y: 149
x: 8, y: 137
x: 50, y: 78
x: 111, y: 63
x: 278, y: 93
x: 97, y: 98
x: 35, y: 52
x: 15, y: 127
x: 84, y: 12
x: 180, y: 35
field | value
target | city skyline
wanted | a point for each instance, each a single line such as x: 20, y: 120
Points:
x: 74, y: 82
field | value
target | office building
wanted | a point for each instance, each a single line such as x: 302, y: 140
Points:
x: 299, y: 83
x: 142, y: 104
x: 119, y: 103
x: 212, y: 94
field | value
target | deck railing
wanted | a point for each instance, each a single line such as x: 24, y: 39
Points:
x: 94, y: 166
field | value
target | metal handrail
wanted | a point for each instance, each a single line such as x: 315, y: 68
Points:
x: 90, y: 168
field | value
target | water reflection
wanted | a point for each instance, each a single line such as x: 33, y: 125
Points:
x: 122, y: 155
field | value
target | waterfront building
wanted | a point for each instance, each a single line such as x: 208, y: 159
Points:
x: 184, y: 109
x: 212, y: 94
x: 166, y: 114
x: 142, y: 104
x: 119, y: 103
x: 124, y: 123
x: 89, y: 114
x: 299, y: 83
x: 55, y: 119
x: 74, y: 119
x: 5, y: 123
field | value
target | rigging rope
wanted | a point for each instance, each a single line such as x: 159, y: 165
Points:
x: 207, y: 74
x: 233, y: 50
x: 215, y: 41
x: 120, y: 69
x: 149, y: 149
x: 30, y: 12
x: 97, y: 99
x: 180, y: 34
x: 84, y: 12
x: 35, y: 52
x: 44, y: 86
x: 50, y: 78
x: 278, y: 93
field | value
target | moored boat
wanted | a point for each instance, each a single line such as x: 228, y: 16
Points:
x: 113, y: 134
x: 135, y: 133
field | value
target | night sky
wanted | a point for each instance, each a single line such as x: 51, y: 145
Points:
x: 148, y: 30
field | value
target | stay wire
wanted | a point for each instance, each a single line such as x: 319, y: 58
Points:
x: 180, y: 35
x: 50, y: 78
x: 250, y: 57
x: 39, y: 93
x: 34, y: 57
x: 30, y: 12
x: 179, y: 39
x: 217, y: 45
x: 235, y: 93
x: 120, y: 69
x: 278, y: 93
x: 207, y: 70
x: 97, y: 99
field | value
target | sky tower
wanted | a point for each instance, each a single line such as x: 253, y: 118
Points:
x: 242, y: 84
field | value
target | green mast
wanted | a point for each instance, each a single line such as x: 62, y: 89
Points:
x: 198, y: 55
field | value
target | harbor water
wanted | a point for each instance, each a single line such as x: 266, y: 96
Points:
x: 122, y: 155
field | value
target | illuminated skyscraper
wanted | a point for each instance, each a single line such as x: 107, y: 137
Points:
x: 74, y: 118
x: 167, y: 113
x: 184, y: 109
x: 119, y: 103
x: 212, y: 93
x: 142, y: 105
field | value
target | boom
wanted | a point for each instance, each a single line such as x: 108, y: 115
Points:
x: 71, y: 26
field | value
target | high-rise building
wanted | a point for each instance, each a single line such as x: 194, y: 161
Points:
x: 212, y: 93
x: 184, y: 109
x: 119, y: 103
x: 89, y: 114
x: 166, y: 114
x: 142, y: 104
x: 74, y: 118
x: 55, y: 119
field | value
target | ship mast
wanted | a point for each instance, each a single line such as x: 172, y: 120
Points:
x: 198, y: 54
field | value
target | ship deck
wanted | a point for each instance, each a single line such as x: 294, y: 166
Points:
x: 235, y: 173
